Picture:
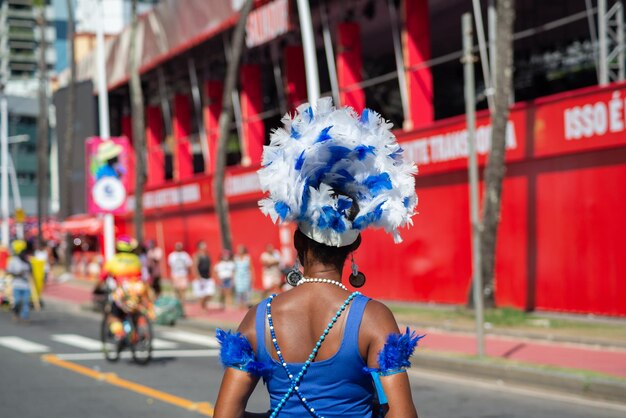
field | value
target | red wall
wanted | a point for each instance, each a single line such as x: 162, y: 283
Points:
x: 181, y: 125
x: 580, y: 235
x: 349, y: 65
x: 253, y: 129
x: 560, y: 241
x: 416, y: 55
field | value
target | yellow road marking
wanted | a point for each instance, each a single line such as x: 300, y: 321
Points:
x: 204, y: 408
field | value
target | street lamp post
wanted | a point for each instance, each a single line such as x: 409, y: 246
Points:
x: 470, y: 112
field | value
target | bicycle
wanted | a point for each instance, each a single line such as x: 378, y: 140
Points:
x: 137, y: 336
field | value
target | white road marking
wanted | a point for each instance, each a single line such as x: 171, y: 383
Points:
x: 79, y: 341
x: 190, y: 337
x: 159, y: 344
x: 128, y: 354
x: 91, y: 344
x: 22, y: 345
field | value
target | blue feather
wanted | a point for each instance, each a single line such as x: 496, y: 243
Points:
x: 363, y: 221
x: 304, y: 204
x: 343, y: 204
x: 365, y: 116
x: 397, y: 154
x: 337, y: 153
x: 309, y: 112
x: 396, y: 352
x: 282, y: 209
x: 295, y: 134
x: 340, y: 179
x: 236, y: 352
x: 324, y: 135
x: 378, y: 183
x: 363, y: 150
x: 331, y: 219
x: 316, y: 177
x: 407, y: 202
x: 300, y: 161
x: 345, y: 174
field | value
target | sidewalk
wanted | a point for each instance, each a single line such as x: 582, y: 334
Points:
x: 450, y: 351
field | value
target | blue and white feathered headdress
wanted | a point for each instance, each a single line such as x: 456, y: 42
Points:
x: 326, y: 163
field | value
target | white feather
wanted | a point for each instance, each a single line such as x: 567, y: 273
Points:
x: 300, y: 133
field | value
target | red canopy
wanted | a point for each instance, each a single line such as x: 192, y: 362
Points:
x: 82, y: 224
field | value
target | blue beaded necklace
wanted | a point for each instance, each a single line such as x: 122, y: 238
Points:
x: 295, y: 382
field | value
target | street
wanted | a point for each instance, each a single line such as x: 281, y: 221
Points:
x: 52, y: 367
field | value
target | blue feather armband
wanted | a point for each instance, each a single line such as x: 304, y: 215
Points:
x: 237, y: 353
x: 394, y: 357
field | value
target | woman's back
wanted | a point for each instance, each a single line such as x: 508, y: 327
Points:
x: 334, y: 384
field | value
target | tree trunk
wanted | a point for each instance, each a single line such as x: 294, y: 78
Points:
x: 495, y: 169
x: 139, y: 130
x: 232, y: 69
x: 42, y: 131
x: 69, y: 131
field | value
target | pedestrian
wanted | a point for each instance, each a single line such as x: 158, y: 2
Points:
x: 204, y: 285
x: 180, y: 265
x: 321, y: 349
x: 243, y: 277
x: 225, y: 272
x: 155, y: 256
x: 41, y: 254
x: 272, y: 275
x: 142, y: 253
x: 20, y: 269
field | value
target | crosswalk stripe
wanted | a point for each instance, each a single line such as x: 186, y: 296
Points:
x: 79, y: 341
x: 22, y: 345
x: 159, y: 344
x: 190, y: 337
x: 91, y: 344
x: 128, y: 355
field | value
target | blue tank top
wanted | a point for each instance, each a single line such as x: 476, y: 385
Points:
x: 335, y: 387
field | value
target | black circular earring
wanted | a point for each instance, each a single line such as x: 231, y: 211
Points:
x: 357, y: 279
x: 294, y: 275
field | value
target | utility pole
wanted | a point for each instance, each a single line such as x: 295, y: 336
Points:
x: 68, y: 141
x: 4, y: 182
x: 470, y: 113
x: 42, y: 127
x: 138, y: 126
x: 103, y: 110
x: 4, y: 148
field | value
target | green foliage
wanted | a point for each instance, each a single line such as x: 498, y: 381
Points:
x: 506, y: 317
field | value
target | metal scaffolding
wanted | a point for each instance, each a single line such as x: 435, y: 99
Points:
x: 611, y: 43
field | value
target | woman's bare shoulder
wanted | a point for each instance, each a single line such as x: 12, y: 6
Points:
x: 378, y: 320
x: 247, y: 327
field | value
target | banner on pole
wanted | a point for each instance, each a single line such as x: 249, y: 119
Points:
x: 107, y: 174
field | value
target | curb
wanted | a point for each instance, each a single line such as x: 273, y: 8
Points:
x: 591, y: 387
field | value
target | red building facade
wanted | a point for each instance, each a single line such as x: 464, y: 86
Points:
x: 559, y: 243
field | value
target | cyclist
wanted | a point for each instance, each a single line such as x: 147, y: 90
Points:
x: 130, y: 294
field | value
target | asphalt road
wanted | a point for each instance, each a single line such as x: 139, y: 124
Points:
x: 52, y: 367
